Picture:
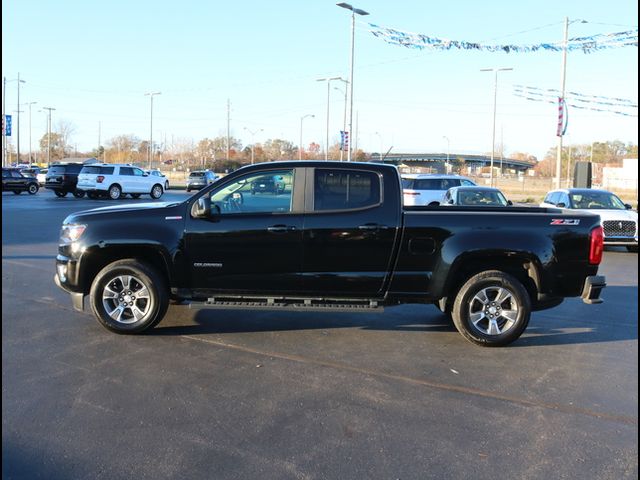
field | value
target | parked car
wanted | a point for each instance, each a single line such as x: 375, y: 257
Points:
x: 338, y: 239
x: 158, y: 173
x: 429, y: 189
x: 268, y: 184
x: 30, y: 171
x: 16, y: 182
x: 199, y: 179
x: 42, y: 176
x: 619, y: 221
x: 114, y: 181
x: 62, y: 178
x: 476, y: 197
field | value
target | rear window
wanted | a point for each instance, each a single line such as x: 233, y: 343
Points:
x: 435, y: 183
x: 62, y: 169
x: 196, y: 174
x: 98, y: 170
x: 407, y: 183
x: 345, y: 189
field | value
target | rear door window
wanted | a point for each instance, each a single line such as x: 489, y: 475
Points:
x: 346, y: 189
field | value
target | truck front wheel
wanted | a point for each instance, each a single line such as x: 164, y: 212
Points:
x: 492, y: 309
x: 129, y: 297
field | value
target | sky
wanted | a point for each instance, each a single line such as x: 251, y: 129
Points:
x: 94, y: 61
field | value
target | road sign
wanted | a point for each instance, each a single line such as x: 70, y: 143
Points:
x: 6, y: 125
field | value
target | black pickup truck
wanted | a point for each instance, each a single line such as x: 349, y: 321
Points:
x: 336, y: 238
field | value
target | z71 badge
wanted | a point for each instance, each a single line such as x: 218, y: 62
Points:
x: 565, y: 221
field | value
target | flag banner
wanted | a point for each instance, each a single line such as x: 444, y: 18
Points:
x: 6, y: 125
x: 344, y: 140
x: 563, y: 118
x: 587, y: 44
x: 596, y: 103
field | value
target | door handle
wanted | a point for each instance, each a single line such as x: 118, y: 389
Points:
x: 281, y: 229
x: 372, y: 226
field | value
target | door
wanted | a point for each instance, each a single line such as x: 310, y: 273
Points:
x: 349, y: 233
x: 253, y: 243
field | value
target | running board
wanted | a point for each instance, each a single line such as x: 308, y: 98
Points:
x: 290, y: 304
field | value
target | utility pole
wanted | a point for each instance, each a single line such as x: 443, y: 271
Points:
x: 151, y: 94
x: 4, y: 120
x: 48, y: 135
x: 228, y: 128
x: 18, y: 118
x: 30, y: 103
x: 562, y: 105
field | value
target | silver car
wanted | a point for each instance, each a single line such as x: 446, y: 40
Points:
x: 200, y: 179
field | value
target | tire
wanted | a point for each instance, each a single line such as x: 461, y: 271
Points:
x: 632, y: 248
x: 109, y: 292
x: 32, y: 189
x: 60, y: 193
x: 156, y: 191
x: 115, y: 192
x: 166, y: 186
x: 135, y: 195
x: 484, y: 298
x: 188, y: 190
x: 92, y: 195
x: 79, y: 193
x: 17, y: 192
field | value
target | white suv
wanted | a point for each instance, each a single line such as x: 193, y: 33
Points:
x: 117, y: 180
x: 429, y: 189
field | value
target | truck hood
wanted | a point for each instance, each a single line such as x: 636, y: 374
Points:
x: 130, y: 207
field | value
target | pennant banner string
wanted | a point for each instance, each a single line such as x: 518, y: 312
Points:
x: 587, y: 44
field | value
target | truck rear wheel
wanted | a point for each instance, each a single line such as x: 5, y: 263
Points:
x: 492, y: 309
x: 129, y: 297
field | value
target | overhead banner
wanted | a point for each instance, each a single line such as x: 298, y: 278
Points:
x: 587, y: 44
x: 596, y: 103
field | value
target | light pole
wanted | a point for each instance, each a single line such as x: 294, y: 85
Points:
x: 446, y: 167
x: 151, y: 94
x: 300, y: 145
x: 354, y: 11
x: 328, y: 80
x: 48, y: 134
x: 30, y: 103
x: 344, y: 118
x: 253, y: 132
x: 495, y: 98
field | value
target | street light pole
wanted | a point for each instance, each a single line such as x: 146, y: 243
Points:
x: 30, y: 103
x: 252, y: 141
x: 18, y: 118
x: 446, y: 167
x: 354, y: 11
x: 495, y: 99
x: 48, y: 134
x: 328, y: 80
x: 300, y: 144
x: 561, y: 99
x: 151, y: 94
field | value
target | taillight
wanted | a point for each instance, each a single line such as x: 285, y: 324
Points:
x: 100, y: 178
x: 596, y: 245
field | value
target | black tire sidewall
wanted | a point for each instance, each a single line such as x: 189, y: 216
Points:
x: 78, y: 194
x: 157, y: 296
x: 60, y: 193
x: 460, y: 311
x: 32, y: 189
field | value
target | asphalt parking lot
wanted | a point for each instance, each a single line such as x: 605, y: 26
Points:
x: 238, y: 394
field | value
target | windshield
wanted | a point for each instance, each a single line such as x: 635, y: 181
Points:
x: 596, y: 201
x: 486, y: 198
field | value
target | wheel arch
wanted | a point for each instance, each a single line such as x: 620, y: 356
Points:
x: 97, y: 258
x: 523, y: 267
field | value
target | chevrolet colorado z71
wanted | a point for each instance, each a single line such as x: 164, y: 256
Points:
x: 336, y: 238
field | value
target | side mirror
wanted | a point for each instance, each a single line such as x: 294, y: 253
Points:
x: 145, y: 174
x: 451, y: 202
x: 560, y: 205
x: 509, y: 203
x: 628, y: 207
x: 202, y: 207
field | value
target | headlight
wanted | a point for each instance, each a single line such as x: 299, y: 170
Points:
x: 71, y: 232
